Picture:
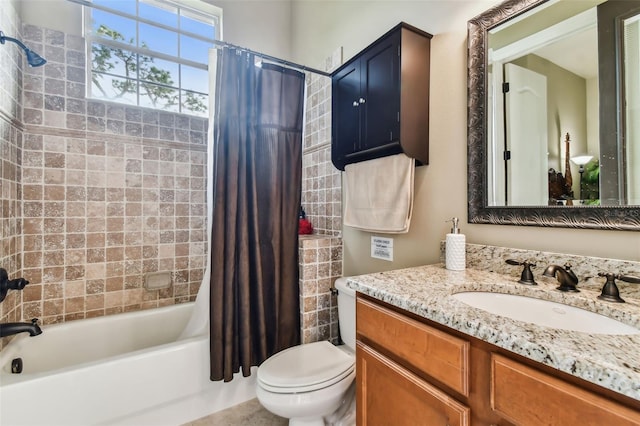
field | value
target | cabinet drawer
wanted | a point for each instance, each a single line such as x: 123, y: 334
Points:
x: 526, y: 396
x: 388, y: 394
x: 437, y: 354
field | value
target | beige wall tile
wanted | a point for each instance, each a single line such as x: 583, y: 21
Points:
x: 100, y: 211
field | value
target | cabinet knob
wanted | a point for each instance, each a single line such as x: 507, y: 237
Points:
x: 361, y: 100
x: 355, y: 103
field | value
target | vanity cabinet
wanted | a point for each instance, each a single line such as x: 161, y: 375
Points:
x: 412, y: 371
x: 394, y: 353
x: 525, y: 395
x: 380, y: 100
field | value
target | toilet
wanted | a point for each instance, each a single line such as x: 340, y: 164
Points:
x: 310, y: 382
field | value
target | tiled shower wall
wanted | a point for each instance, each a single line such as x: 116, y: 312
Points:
x: 321, y: 184
x: 109, y: 193
x: 10, y: 157
x: 95, y: 194
x: 321, y: 254
x: 320, y: 265
x: 10, y: 222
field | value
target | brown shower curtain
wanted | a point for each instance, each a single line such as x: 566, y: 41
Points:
x: 254, y: 309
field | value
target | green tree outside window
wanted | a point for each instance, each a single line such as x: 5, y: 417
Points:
x: 155, y: 83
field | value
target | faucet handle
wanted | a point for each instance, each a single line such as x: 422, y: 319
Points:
x: 567, y: 267
x: 6, y: 284
x: 527, y: 276
x: 629, y: 279
x: 610, y: 291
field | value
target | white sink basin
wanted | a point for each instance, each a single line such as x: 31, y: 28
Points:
x: 544, y: 312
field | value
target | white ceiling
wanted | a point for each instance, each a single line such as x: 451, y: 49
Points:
x: 577, y: 53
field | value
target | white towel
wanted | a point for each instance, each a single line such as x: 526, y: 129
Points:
x: 379, y: 194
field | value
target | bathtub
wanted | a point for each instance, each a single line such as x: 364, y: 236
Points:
x: 126, y: 369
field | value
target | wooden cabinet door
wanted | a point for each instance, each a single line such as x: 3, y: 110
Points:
x: 345, y: 112
x: 423, y: 348
x: 526, y: 396
x: 380, y: 113
x: 388, y: 394
x: 379, y: 94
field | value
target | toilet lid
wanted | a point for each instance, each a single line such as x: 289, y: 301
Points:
x: 305, y: 367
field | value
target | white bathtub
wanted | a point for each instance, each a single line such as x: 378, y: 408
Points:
x: 127, y: 369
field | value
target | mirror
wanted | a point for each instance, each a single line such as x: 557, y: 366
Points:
x: 631, y: 71
x: 546, y: 146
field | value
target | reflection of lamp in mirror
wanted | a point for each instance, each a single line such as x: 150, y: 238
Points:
x: 581, y: 161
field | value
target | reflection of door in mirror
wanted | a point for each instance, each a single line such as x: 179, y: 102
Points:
x: 632, y: 96
x: 526, y: 137
x: 517, y: 169
x: 560, y: 47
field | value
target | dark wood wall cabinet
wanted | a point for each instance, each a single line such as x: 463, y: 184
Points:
x: 380, y: 100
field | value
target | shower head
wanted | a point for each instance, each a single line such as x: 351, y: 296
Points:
x: 33, y: 58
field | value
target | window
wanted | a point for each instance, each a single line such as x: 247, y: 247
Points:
x: 152, y: 53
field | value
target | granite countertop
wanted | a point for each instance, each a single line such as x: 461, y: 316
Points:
x: 610, y: 361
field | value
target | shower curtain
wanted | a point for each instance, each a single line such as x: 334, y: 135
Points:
x: 257, y: 170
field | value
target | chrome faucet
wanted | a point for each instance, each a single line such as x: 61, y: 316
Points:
x: 11, y: 328
x: 565, y: 276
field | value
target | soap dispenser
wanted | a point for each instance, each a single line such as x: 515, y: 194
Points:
x: 455, y: 248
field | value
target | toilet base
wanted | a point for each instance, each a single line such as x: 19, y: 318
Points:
x: 309, y: 408
x: 306, y: 422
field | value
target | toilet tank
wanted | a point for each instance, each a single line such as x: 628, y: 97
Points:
x: 346, y: 312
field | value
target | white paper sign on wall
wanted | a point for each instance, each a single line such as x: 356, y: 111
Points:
x: 382, y: 248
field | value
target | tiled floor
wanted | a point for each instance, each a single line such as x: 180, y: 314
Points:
x: 249, y: 413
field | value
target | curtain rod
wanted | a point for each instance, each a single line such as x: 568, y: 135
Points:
x: 273, y: 58
x: 244, y: 49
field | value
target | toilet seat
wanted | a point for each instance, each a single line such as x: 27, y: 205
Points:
x: 305, y: 368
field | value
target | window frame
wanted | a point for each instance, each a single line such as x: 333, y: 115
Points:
x: 197, y: 7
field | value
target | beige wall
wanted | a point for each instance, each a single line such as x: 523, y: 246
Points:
x: 593, y: 128
x: 68, y: 16
x: 319, y: 27
x: 260, y: 25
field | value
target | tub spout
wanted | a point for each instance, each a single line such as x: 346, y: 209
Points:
x: 11, y: 328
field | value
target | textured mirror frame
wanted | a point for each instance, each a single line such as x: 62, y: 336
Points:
x: 595, y: 217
